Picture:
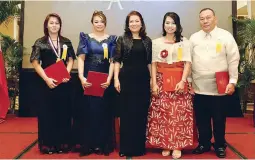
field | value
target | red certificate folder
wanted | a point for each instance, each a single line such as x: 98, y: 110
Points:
x: 96, y: 79
x: 57, y: 71
x: 222, y: 80
x: 171, y: 77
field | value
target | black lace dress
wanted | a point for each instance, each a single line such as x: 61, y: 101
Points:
x: 135, y: 99
x: 54, y: 105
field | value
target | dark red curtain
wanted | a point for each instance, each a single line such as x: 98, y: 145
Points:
x: 4, y: 96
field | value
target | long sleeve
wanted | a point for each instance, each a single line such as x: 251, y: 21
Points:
x: 118, y: 51
x: 70, y: 50
x: 150, y: 53
x: 233, y: 58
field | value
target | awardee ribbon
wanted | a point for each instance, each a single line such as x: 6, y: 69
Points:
x: 64, y: 53
x: 179, y: 53
x: 105, y: 47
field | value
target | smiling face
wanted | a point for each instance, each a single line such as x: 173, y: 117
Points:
x: 135, y: 24
x: 53, y: 25
x: 207, y: 20
x: 169, y: 25
x: 98, y: 23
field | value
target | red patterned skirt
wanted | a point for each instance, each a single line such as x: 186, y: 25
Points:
x: 170, y: 119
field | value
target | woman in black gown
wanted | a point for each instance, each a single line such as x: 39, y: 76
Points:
x: 134, y: 50
x: 54, y: 120
x: 93, y: 124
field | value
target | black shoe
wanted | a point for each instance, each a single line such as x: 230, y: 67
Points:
x: 106, y: 150
x: 201, y: 149
x: 76, y: 149
x: 220, y: 152
x: 46, y: 150
x: 63, y: 148
x: 59, y: 149
x: 85, y: 152
x: 98, y: 151
x: 121, y: 154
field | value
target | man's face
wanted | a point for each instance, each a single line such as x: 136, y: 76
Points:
x: 207, y: 20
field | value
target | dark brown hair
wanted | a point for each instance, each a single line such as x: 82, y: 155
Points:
x: 142, y: 32
x: 176, y: 18
x: 99, y: 14
x: 45, y: 24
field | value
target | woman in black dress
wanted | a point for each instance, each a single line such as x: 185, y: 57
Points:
x: 54, y: 120
x: 134, y: 50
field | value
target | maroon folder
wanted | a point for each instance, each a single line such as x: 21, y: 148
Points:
x: 171, y: 77
x: 57, y: 71
x: 222, y: 80
x: 96, y: 79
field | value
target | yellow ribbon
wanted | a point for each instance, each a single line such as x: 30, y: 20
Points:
x: 179, y: 54
x: 218, y: 47
x: 64, y: 52
x: 105, y: 50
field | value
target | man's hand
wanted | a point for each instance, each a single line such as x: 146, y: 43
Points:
x: 230, y: 89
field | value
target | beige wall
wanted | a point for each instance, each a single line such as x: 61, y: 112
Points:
x: 76, y: 17
x: 243, y: 10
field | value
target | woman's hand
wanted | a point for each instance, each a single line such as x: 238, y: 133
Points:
x: 106, y: 84
x: 84, y: 83
x: 65, y: 80
x: 180, y: 87
x: 117, y: 84
x: 155, y: 90
x: 51, y: 83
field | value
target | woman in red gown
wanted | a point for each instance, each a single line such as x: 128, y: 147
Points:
x: 170, y: 119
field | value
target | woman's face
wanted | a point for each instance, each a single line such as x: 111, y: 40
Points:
x: 135, y: 24
x: 169, y: 26
x: 98, y: 24
x: 53, y: 25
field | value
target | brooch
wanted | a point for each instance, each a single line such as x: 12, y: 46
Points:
x: 164, y: 53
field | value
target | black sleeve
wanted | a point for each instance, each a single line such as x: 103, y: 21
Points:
x: 36, y: 52
x: 150, y: 52
x: 70, y: 50
x: 118, y: 50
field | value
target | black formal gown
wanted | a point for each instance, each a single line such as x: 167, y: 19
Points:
x: 135, y: 100
x: 54, y: 105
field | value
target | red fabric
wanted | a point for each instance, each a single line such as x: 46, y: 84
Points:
x: 170, y: 119
x: 96, y: 79
x: 5, y: 101
x: 57, y: 71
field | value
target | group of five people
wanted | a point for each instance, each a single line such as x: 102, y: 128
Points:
x: 137, y: 69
